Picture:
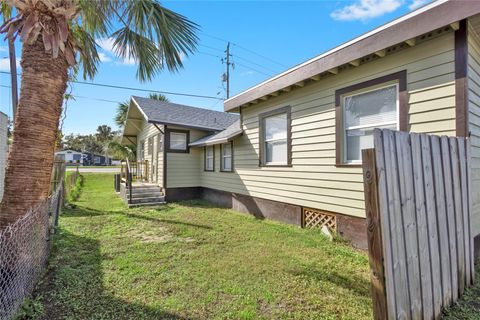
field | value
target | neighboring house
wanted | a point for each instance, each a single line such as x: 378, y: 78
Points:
x: 3, y: 149
x: 91, y: 159
x: 71, y: 157
x: 296, y: 148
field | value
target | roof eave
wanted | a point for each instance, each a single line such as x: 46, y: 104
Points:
x: 439, y: 15
x: 217, y: 141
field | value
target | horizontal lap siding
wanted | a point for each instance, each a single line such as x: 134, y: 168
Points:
x: 183, y: 169
x: 314, y: 181
x: 149, y: 130
x: 474, y: 123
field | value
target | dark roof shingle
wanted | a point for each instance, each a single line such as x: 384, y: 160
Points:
x: 182, y: 115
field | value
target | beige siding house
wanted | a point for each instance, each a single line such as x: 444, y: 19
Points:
x: 297, y: 144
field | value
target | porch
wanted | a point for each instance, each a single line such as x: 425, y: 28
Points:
x: 136, y: 188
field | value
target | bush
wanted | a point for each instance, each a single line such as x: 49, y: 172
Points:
x: 75, y: 192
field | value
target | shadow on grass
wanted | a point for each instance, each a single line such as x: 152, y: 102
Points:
x: 72, y: 288
x: 168, y: 221
x: 357, y: 285
x: 80, y: 211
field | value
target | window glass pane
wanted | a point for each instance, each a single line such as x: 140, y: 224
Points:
x: 159, y: 142
x: 178, y: 141
x: 276, y: 151
x: 210, y: 164
x: 359, y: 139
x: 370, y: 108
x: 227, y: 163
x: 227, y: 149
x: 276, y: 127
x: 210, y: 151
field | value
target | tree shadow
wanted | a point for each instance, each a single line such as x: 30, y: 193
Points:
x: 351, y: 282
x: 167, y: 221
x: 73, y: 285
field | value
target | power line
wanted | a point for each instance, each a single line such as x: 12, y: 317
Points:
x: 246, y: 49
x: 236, y: 63
x: 257, y: 64
x: 81, y: 97
x: 139, y: 89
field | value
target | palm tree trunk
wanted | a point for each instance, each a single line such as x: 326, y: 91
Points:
x: 30, y: 160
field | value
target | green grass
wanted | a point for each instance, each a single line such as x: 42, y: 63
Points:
x: 468, y: 307
x: 195, y: 261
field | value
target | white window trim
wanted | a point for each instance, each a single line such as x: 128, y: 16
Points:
x: 344, y: 127
x: 208, y: 157
x: 265, y: 140
x: 223, y: 157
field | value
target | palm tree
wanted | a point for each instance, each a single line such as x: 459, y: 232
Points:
x: 122, y: 109
x: 104, y: 133
x: 55, y: 35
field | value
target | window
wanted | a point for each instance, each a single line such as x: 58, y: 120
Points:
x: 275, y: 138
x: 177, y: 141
x: 209, y: 158
x: 362, y: 107
x: 150, y: 146
x: 365, y: 111
x: 226, y: 163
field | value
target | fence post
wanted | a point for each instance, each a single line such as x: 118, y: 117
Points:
x: 374, y: 235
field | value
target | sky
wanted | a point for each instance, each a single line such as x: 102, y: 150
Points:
x: 267, y: 37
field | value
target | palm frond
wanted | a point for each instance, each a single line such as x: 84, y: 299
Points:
x: 88, y: 51
x: 121, y: 115
x: 129, y: 44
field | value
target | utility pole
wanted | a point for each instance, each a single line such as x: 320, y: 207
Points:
x: 226, y: 75
x: 13, y: 75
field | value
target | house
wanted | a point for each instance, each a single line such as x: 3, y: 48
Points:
x: 91, y: 159
x: 71, y: 157
x: 3, y: 149
x: 293, y: 153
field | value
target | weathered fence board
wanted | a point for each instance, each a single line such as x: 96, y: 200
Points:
x: 418, y: 203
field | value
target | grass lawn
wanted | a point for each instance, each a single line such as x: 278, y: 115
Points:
x: 195, y: 261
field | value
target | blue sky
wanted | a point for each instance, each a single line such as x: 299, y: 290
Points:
x: 268, y: 37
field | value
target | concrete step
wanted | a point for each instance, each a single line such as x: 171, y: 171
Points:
x: 145, y: 194
x: 155, y: 203
x: 148, y: 199
x: 144, y: 189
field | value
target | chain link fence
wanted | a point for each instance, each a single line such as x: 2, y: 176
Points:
x: 25, y: 247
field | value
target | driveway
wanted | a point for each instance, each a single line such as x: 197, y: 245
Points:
x: 95, y: 169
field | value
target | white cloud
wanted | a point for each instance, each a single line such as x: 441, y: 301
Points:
x: 417, y: 4
x: 5, y: 64
x: 3, y: 49
x: 103, y: 57
x: 366, y: 9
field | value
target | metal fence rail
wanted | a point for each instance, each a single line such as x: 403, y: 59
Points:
x: 24, y: 251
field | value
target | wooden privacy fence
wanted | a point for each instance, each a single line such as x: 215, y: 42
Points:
x: 418, y: 204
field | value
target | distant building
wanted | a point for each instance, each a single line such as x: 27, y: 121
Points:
x: 71, y: 157
x: 90, y: 159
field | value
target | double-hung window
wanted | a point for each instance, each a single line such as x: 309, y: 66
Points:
x: 364, y: 111
x: 227, y: 157
x: 209, y: 158
x: 275, y: 137
x: 150, y: 146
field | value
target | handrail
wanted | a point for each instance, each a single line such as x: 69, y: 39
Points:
x: 129, y: 181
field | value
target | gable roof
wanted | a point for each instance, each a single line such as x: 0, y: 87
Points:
x: 168, y: 113
x: 232, y: 132
x: 435, y: 15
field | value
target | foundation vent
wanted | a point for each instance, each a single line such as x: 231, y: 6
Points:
x: 316, y: 219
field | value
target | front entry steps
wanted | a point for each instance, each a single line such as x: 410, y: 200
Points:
x: 145, y: 194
